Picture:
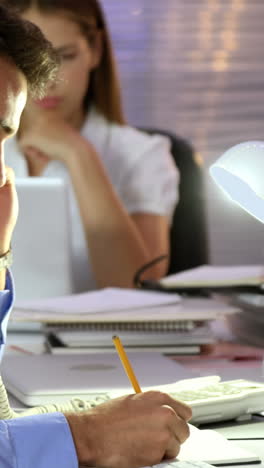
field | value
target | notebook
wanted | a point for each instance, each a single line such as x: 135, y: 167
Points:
x: 41, y: 239
x: 211, y: 447
x: 178, y: 341
x: 212, y: 277
x: 174, y: 350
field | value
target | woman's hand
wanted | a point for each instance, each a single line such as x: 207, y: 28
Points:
x: 48, y: 136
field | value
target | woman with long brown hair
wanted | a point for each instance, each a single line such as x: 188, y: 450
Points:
x: 123, y: 183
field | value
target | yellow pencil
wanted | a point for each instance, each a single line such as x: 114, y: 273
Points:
x: 126, y: 364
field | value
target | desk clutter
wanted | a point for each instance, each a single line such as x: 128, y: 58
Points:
x: 149, y: 323
x: 202, y: 445
x: 145, y: 320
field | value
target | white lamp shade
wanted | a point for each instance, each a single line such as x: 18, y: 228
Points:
x: 240, y: 174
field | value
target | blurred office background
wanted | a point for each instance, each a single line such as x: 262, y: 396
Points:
x: 196, y: 67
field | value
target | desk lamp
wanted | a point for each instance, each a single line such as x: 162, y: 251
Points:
x: 240, y: 174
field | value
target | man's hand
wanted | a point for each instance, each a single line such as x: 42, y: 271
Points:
x: 8, y: 210
x: 131, y: 431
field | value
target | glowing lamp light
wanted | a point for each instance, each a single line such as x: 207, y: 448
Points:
x: 240, y: 174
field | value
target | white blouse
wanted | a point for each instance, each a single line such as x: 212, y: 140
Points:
x: 140, y: 168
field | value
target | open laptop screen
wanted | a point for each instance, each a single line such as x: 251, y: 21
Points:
x: 41, y: 244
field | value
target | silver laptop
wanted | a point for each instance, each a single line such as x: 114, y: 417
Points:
x: 41, y: 242
x: 41, y: 379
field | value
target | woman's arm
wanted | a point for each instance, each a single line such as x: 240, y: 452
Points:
x: 119, y: 244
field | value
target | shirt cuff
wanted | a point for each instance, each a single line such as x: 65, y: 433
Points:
x: 40, y: 441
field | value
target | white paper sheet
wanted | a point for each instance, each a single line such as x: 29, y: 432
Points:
x: 104, y: 300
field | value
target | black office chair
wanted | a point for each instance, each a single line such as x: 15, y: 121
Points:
x: 188, y: 236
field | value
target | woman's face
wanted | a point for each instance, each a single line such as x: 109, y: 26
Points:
x: 78, y: 59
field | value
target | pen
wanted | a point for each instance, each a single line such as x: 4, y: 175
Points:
x: 126, y: 364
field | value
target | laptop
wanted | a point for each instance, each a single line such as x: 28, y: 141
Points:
x: 40, y: 379
x: 41, y: 241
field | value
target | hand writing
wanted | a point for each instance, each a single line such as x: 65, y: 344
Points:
x: 131, y: 431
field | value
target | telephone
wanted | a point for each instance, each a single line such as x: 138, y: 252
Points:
x: 74, y: 405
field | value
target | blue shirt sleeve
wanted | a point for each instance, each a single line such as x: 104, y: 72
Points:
x: 42, y: 441
x: 6, y: 302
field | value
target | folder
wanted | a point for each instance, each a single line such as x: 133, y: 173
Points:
x: 208, y: 278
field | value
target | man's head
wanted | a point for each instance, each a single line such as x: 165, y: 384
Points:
x: 27, y: 64
x: 24, y: 44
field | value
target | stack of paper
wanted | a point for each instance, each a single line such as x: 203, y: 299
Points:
x: 93, y: 305
x: 141, y: 318
x: 114, y: 304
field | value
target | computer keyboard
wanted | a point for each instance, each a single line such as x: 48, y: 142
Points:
x: 211, y: 399
x: 209, y: 392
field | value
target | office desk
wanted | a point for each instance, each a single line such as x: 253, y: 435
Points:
x: 25, y: 341
x: 229, y: 360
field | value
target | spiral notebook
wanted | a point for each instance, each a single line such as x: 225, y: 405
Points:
x: 161, y: 324
x: 182, y: 342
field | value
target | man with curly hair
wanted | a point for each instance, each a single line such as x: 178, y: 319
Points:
x: 128, y: 432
